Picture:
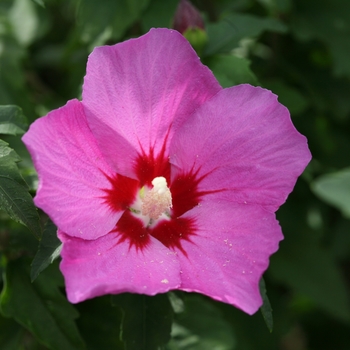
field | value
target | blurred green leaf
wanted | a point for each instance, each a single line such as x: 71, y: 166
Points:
x: 49, y: 250
x: 159, y: 14
x: 339, y: 91
x: 277, y: 6
x: 288, y: 96
x: 10, y: 334
x: 231, y: 70
x: 40, y: 2
x: 226, y: 34
x: 40, y: 307
x: 200, y: 327
x: 15, y: 337
x: 2, y: 264
x: 95, y: 17
x: 266, y: 308
x: 335, y: 189
x: 99, y: 324
x: 14, y: 196
x: 24, y: 21
x: 340, y: 247
x: 327, y: 21
x: 146, y: 320
x: 310, y: 270
x: 13, y: 87
x: 12, y: 120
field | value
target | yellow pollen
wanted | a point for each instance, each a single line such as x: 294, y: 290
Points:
x: 158, y: 200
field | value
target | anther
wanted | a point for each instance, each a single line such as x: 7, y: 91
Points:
x: 158, y: 200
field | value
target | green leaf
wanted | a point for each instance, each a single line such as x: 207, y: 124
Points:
x: 95, y: 17
x: 266, y: 308
x: 231, y: 70
x: 14, y: 196
x: 226, y: 34
x: 311, y: 271
x: 24, y: 21
x: 277, y: 6
x: 146, y: 320
x: 159, y: 14
x: 2, y: 266
x: 40, y: 2
x: 12, y: 120
x: 40, y: 307
x: 15, y: 88
x: 99, y: 324
x: 49, y: 249
x: 288, y: 96
x: 327, y: 21
x: 10, y: 334
x: 200, y: 327
x: 335, y: 189
x: 340, y: 247
x: 14, y: 337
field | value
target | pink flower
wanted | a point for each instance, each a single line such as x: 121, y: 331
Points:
x: 160, y: 179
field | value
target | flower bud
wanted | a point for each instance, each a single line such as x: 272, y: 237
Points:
x: 189, y: 22
x: 187, y: 16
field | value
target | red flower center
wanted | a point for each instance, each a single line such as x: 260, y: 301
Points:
x: 171, y: 230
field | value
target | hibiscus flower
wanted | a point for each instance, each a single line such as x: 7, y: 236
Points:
x: 159, y: 179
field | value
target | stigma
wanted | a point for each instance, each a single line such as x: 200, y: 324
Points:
x: 158, y: 200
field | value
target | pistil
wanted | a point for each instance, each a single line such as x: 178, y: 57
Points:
x: 158, y: 200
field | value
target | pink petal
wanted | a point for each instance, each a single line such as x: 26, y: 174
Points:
x: 229, y: 252
x: 72, y: 173
x: 245, y: 146
x: 104, y: 266
x: 136, y: 93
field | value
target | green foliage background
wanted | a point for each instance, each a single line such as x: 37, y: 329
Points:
x: 301, y: 51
